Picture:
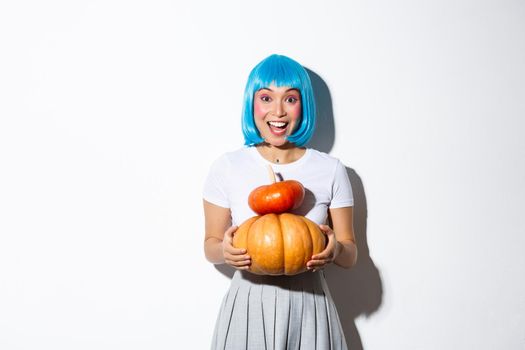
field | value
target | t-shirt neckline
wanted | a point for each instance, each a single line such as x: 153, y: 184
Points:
x: 253, y: 151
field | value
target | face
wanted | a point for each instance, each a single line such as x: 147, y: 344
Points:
x: 277, y: 113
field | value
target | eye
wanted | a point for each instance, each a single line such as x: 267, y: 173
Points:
x: 265, y: 98
x: 291, y: 99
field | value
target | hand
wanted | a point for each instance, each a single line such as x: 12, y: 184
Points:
x: 328, y: 255
x: 235, y: 257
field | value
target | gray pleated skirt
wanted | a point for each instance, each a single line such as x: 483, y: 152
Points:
x: 278, y: 313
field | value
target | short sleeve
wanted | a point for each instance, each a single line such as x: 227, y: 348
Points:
x: 342, y: 195
x: 215, y: 185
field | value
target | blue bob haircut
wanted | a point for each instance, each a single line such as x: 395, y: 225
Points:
x: 280, y: 71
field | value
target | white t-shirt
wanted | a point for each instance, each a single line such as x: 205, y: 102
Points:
x: 235, y: 174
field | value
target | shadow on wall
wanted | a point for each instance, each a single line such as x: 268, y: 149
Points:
x: 324, y: 135
x: 357, y: 291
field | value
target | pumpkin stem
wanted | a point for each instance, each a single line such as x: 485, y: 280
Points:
x: 271, y: 174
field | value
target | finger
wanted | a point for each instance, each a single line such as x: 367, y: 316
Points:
x: 231, y: 250
x: 326, y: 229
x: 241, y: 263
x: 329, y: 233
x: 327, y: 253
x: 236, y: 257
x: 316, y: 268
x: 229, y: 232
x: 245, y: 267
x: 316, y: 264
x: 228, y: 248
x: 320, y: 261
x: 228, y: 242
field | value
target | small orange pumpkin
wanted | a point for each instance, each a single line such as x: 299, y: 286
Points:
x: 277, y: 197
x: 279, y: 244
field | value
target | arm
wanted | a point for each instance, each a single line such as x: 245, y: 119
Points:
x: 343, y: 227
x: 341, y: 248
x: 219, y: 236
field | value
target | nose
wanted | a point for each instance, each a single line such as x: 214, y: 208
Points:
x: 279, y: 109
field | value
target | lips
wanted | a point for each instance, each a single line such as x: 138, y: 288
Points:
x: 277, y: 128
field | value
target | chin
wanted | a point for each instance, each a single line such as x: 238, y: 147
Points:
x: 276, y: 142
x: 280, y: 144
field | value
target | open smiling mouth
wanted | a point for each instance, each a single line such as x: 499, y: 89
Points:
x: 277, y: 128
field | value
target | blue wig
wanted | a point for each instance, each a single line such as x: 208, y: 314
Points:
x: 280, y: 71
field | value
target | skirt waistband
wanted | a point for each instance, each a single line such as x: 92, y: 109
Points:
x: 307, y: 280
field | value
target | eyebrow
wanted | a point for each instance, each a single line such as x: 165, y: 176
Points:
x: 265, y: 88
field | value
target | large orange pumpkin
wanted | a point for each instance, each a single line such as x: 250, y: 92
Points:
x: 279, y: 244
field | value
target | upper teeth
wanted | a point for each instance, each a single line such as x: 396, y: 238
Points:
x: 277, y: 124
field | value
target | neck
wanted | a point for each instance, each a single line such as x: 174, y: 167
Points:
x: 287, y: 153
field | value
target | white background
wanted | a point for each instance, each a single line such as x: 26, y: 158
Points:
x: 112, y: 111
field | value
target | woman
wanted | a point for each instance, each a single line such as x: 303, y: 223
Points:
x: 278, y: 312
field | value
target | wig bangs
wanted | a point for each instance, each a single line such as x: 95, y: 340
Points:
x: 278, y: 74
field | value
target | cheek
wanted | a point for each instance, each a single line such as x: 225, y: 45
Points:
x: 258, y: 109
x: 295, y: 111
